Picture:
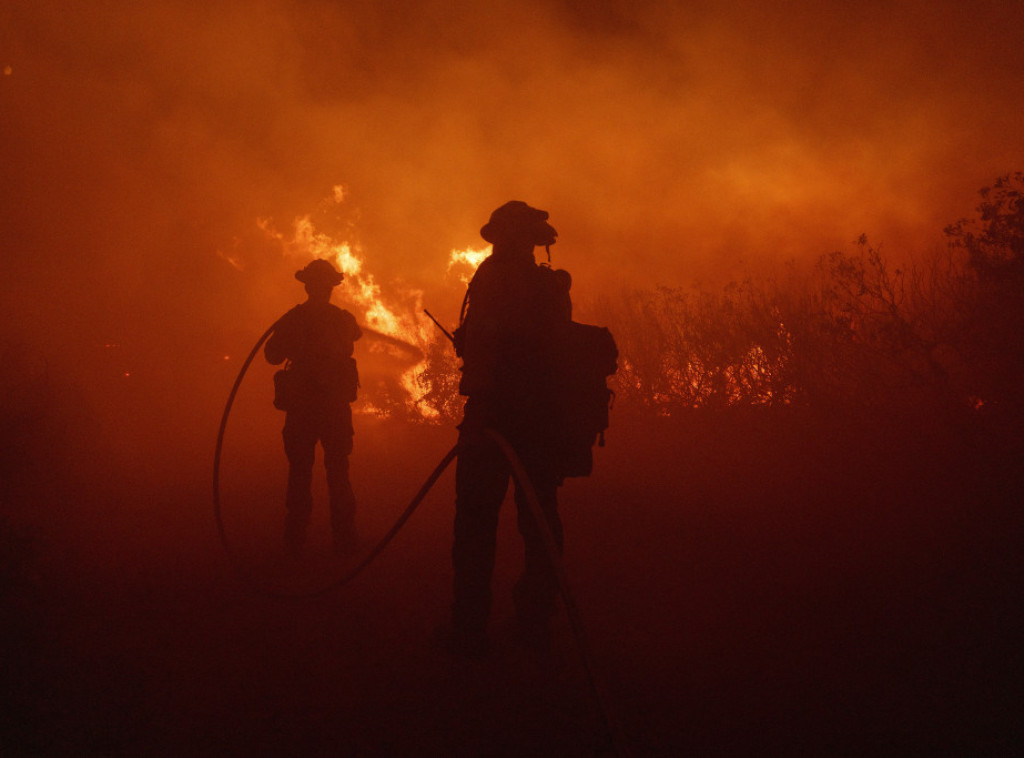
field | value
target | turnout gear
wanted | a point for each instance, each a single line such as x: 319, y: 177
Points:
x: 521, y: 349
x: 527, y: 369
x: 316, y: 340
x: 587, y: 356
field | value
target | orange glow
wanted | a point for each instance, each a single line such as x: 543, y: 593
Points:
x: 464, y: 262
x: 234, y: 260
x: 803, y: 532
x: 392, y: 312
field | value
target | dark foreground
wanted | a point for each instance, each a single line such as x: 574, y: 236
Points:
x: 750, y: 585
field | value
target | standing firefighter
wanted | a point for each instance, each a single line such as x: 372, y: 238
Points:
x: 315, y: 388
x: 512, y: 342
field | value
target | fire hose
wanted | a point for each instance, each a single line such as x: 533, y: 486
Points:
x: 597, y: 686
x: 358, y: 568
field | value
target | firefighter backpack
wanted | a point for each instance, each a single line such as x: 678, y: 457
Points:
x: 587, y: 357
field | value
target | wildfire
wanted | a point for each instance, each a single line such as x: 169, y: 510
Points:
x: 465, y: 262
x: 402, y: 343
x: 390, y: 318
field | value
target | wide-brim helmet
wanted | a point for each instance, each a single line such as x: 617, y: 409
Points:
x: 320, y: 271
x: 516, y: 221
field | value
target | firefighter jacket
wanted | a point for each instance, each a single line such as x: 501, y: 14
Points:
x: 317, y: 340
x: 515, y: 308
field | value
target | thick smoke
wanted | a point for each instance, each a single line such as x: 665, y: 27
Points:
x: 666, y: 141
x: 146, y: 145
x: 766, y: 579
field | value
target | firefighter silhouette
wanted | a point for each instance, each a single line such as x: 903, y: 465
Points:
x: 507, y: 342
x: 315, y: 390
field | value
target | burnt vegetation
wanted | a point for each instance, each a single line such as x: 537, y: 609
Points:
x: 853, y: 331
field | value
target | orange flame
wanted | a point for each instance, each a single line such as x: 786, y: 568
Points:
x: 393, y: 314
x: 465, y: 262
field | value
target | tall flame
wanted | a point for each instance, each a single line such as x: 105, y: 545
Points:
x: 393, y: 314
x: 390, y: 315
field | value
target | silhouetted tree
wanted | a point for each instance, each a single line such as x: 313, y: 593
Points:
x: 994, y: 240
x: 862, y: 340
x: 989, y: 338
x: 845, y: 334
x: 942, y: 335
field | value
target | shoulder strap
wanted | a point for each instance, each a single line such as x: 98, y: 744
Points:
x: 465, y: 304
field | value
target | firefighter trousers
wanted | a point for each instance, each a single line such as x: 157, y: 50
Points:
x: 333, y: 430
x: 482, y: 477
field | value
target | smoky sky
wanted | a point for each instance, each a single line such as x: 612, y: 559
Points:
x: 142, y: 141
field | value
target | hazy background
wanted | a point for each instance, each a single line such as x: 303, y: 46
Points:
x: 760, y: 583
x: 670, y: 141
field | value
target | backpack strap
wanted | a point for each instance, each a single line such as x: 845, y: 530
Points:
x: 465, y: 304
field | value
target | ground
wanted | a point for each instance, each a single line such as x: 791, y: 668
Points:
x: 750, y: 584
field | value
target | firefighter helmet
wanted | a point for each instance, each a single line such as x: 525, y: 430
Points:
x: 320, y: 271
x: 517, y: 221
